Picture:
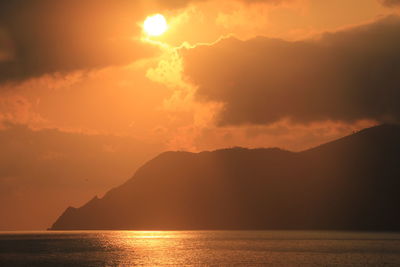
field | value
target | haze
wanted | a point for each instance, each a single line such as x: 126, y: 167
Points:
x: 87, y: 94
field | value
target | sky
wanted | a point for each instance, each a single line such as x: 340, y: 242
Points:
x: 87, y: 95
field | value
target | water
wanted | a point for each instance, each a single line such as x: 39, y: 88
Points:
x: 185, y: 248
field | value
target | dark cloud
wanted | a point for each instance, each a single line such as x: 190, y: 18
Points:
x: 46, y: 36
x: 344, y: 76
x: 390, y: 3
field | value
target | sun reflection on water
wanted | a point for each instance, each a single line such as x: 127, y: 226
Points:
x: 194, y: 248
x: 148, y: 247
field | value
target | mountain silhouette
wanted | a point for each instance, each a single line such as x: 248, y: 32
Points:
x: 352, y: 183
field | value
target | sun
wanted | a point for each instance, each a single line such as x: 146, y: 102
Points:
x: 155, y: 25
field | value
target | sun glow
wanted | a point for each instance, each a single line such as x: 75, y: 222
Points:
x: 155, y: 25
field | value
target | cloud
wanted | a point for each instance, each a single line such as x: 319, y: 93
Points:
x: 390, y: 3
x: 348, y: 75
x: 43, y: 36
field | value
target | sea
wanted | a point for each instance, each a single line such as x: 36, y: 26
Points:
x: 199, y: 248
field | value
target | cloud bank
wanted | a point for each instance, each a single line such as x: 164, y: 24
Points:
x: 349, y: 75
x: 43, y: 36
x: 390, y: 3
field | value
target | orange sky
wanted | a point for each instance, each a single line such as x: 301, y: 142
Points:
x: 86, y: 70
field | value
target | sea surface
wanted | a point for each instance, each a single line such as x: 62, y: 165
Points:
x: 199, y: 248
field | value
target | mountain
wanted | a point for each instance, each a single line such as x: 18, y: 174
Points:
x: 352, y: 183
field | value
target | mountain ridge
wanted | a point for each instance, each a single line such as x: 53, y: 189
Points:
x: 336, y: 186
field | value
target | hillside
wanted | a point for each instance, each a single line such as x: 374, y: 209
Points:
x: 349, y: 184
